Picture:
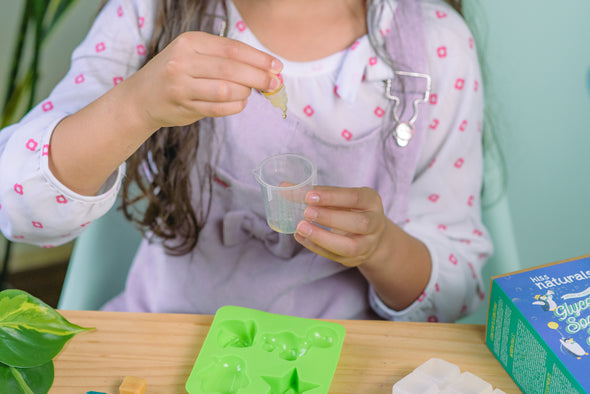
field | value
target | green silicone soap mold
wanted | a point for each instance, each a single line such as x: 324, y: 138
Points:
x: 250, y: 351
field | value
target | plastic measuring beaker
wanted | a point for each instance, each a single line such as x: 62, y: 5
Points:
x: 284, y: 180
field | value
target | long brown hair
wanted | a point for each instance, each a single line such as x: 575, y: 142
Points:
x: 457, y: 5
x: 158, y: 173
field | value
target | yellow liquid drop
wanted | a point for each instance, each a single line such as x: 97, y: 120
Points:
x: 279, y: 99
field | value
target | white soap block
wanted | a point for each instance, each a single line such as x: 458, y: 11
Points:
x: 467, y: 383
x: 414, y: 383
x: 437, y: 376
x: 439, y: 371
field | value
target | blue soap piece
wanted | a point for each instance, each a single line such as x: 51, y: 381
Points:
x: 250, y: 351
x: 95, y: 392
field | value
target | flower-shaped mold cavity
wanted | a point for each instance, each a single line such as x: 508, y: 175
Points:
x: 236, y: 333
x: 250, y: 352
x: 224, y: 375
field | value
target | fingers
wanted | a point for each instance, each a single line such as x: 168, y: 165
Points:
x: 347, y: 249
x: 351, y: 210
x: 232, y: 49
x: 351, y: 234
x: 212, y: 109
x: 183, y: 100
x: 219, y: 68
x: 229, y: 60
x: 318, y: 249
x: 216, y: 91
x: 200, y: 75
x: 362, y: 198
x: 355, y: 222
x: 355, y: 218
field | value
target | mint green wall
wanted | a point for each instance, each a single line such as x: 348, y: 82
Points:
x: 538, y: 61
x: 536, y: 58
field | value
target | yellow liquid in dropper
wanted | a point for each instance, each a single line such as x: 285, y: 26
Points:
x: 279, y: 98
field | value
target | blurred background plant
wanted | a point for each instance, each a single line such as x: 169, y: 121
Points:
x: 39, y: 18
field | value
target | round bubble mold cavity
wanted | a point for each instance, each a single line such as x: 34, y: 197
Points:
x: 322, y: 337
x: 290, y: 347
x: 251, y: 351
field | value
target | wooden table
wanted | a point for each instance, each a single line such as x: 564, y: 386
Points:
x: 162, y: 348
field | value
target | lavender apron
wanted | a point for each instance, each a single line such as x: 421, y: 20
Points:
x: 239, y: 260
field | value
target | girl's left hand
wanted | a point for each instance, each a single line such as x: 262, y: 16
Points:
x: 356, y: 221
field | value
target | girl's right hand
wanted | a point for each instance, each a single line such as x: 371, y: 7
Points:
x: 200, y: 75
x: 197, y: 75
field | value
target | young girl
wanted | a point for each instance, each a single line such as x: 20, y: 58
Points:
x: 164, y: 98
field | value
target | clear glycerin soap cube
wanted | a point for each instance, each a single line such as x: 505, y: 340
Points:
x: 467, y: 383
x: 439, y: 371
x: 440, y: 376
x: 415, y: 383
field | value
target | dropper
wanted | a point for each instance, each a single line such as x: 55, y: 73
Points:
x: 278, y: 98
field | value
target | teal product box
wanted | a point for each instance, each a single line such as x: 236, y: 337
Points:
x: 539, y: 326
x: 251, y: 351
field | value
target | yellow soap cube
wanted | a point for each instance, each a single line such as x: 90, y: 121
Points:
x: 132, y: 385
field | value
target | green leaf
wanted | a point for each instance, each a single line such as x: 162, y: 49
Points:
x: 55, y: 10
x: 36, y: 380
x: 21, y: 88
x: 31, y: 332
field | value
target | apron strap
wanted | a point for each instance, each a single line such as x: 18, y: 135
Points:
x: 406, y: 45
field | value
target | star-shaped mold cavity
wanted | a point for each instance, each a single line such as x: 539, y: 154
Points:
x: 290, y: 383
